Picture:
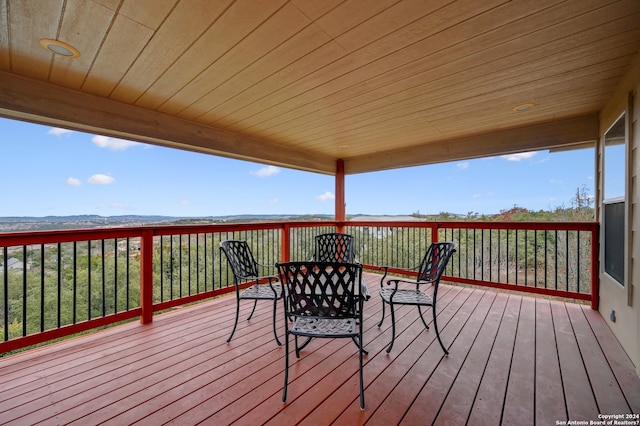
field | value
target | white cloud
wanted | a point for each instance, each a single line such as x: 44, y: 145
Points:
x: 482, y: 195
x: 272, y: 201
x: 100, y: 179
x: 265, y: 171
x: 519, y: 157
x: 326, y: 197
x: 57, y: 131
x: 464, y: 165
x: 73, y: 182
x: 183, y: 202
x: 113, y: 144
x: 120, y: 206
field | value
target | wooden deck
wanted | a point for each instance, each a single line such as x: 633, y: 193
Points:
x: 513, y: 360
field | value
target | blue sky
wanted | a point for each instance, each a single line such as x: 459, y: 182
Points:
x: 48, y: 171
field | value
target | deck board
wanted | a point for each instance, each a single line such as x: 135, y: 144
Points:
x: 519, y: 403
x: 457, y: 407
x: 405, y: 371
x: 492, y: 389
x: 580, y: 400
x: 513, y: 359
x: 620, y: 378
x: 432, y: 396
x: 549, y: 397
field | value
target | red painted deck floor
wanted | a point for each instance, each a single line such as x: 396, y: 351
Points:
x: 513, y: 360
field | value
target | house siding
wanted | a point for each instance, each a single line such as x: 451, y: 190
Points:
x: 625, y: 301
x: 634, y: 243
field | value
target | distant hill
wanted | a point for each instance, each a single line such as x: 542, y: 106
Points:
x: 45, y: 223
x: 515, y: 214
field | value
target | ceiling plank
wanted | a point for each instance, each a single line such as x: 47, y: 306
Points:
x: 84, y: 26
x: 183, y: 26
x: 448, y: 81
x: 150, y: 13
x: 473, y: 111
x: 344, y: 71
x: 284, y: 24
x: 4, y: 36
x: 314, y: 9
x: 125, y: 41
x: 351, y: 14
x: 295, y: 50
x: 28, y: 23
x: 223, y: 34
x: 315, y: 101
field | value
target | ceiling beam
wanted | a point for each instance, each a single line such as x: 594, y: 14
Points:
x: 47, y: 104
x: 553, y: 135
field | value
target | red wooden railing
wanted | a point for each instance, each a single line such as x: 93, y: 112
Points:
x: 71, y: 281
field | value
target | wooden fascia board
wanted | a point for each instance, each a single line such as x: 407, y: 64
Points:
x: 43, y: 103
x: 561, y: 133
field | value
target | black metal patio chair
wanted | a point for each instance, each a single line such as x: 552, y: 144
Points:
x: 246, y: 270
x: 334, y: 247
x: 337, y: 247
x: 430, y: 270
x: 325, y: 300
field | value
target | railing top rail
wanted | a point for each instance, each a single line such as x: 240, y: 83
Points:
x: 70, y: 235
x: 66, y: 236
x: 214, y: 227
x: 572, y: 226
x: 391, y: 224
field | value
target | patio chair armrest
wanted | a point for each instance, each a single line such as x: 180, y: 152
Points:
x: 267, y: 267
x: 395, y: 283
x: 386, y: 268
x: 268, y: 271
x: 271, y: 280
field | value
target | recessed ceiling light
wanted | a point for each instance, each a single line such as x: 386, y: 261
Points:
x: 60, y: 48
x: 523, y: 107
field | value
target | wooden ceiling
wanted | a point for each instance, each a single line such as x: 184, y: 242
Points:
x: 302, y: 83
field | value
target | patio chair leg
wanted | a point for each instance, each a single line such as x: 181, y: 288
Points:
x: 235, y: 324
x: 393, y: 327
x: 361, y: 381
x: 275, y: 333
x: 422, y: 318
x: 435, y: 326
x: 301, y: 347
x: 381, y: 319
x: 255, y: 302
x: 286, y: 367
x: 359, y: 345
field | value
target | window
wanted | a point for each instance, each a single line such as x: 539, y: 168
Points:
x: 614, y: 160
x: 614, y: 223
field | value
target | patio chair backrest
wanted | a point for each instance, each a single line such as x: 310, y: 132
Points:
x: 334, y: 247
x: 321, y: 289
x: 241, y: 260
x: 434, y: 261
